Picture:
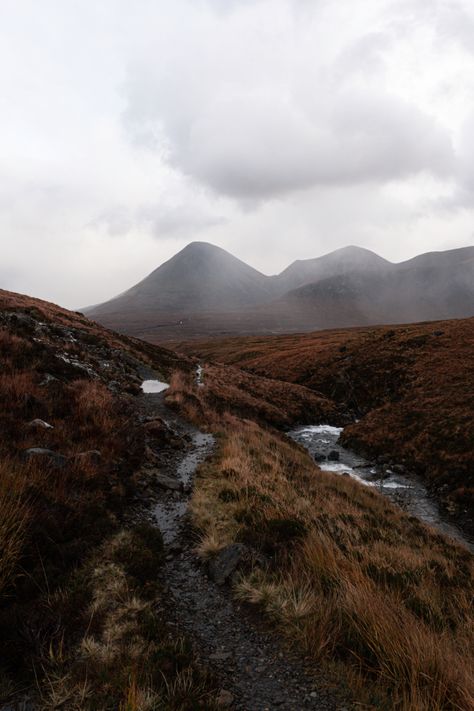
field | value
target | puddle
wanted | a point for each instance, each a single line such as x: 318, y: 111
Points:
x: 154, y: 386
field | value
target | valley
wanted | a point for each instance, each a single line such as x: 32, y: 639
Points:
x: 167, y: 545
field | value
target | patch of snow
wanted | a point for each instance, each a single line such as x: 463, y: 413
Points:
x: 154, y: 386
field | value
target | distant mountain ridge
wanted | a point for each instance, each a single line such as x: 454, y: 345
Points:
x: 204, y: 290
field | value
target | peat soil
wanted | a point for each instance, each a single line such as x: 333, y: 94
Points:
x: 254, y: 669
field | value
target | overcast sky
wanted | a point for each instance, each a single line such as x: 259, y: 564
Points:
x: 277, y: 129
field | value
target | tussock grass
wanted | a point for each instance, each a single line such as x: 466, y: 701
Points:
x: 13, y: 523
x: 410, y: 386
x: 349, y: 578
x: 125, y: 656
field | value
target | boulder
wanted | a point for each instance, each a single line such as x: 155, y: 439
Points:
x: 40, y: 425
x: 319, y: 457
x: 225, y: 563
x: 168, y: 482
x: 53, y: 458
x: 333, y: 455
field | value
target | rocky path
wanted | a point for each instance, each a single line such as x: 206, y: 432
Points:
x: 254, y: 669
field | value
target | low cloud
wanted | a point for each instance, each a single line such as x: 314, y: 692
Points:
x: 252, y: 133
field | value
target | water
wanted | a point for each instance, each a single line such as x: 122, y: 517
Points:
x: 199, y: 376
x: 404, y: 489
x: 169, y: 511
x: 154, y: 386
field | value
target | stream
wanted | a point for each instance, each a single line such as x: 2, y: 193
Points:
x: 394, y: 482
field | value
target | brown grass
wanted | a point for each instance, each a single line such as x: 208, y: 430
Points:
x: 13, y: 523
x: 230, y: 390
x: 126, y: 656
x: 411, y: 388
x: 349, y: 577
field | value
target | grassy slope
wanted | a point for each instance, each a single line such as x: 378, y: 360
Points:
x: 80, y: 597
x: 411, y: 386
x: 347, y: 576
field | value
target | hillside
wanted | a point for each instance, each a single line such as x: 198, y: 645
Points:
x: 204, y: 291
x: 199, y: 278
x: 127, y: 521
x: 341, y: 261
x: 412, y: 388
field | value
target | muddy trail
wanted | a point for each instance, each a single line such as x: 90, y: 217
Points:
x: 254, y: 669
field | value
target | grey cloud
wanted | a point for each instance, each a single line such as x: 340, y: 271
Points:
x: 253, y: 122
x: 162, y: 222
x: 262, y: 143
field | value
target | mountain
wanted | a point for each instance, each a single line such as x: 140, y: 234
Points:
x: 201, y: 277
x: 426, y: 288
x: 204, y: 291
x: 341, y: 261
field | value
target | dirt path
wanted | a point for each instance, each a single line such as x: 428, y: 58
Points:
x: 254, y: 669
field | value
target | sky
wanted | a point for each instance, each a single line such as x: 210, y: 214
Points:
x: 277, y: 129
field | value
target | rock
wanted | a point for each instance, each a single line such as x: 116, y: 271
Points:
x: 225, y: 699
x: 333, y: 456
x: 150, y: 454
x: 167, y: 482
x: 224, y: 564
x: 48, y: 379
x: 23, y: 321
x: 220, y: 656
x: 40, y: 425
x: 399, y: 469
x: 319, y: 457
x: 55, y: 459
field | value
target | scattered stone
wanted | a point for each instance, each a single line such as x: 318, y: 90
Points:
x: 225, y: 699
x: 220, y: 656
x: 319, y: 457
x: 226, y: 562
x: 55, y: 459
x: 167, y: 482
x: 333, y: 455
x: 40, y: 425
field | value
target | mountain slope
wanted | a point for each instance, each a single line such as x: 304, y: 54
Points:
x: 201, y: 277
x: 341, y: 261
x: 419, y: 290
x: 204, y: 291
